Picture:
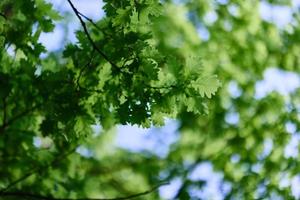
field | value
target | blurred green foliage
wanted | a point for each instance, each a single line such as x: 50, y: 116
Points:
x: 146, y: 61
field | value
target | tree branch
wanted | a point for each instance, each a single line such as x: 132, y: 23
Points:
x: 83, y: 69
x: 133, y: 196
x: 36, y: 170
x: 90, y: 20
x: 81, y: 73
x: 95, y: 25
x: 38, y: 196
x: 77, y: 13
x: 25, y: 194
x: 16, y: 117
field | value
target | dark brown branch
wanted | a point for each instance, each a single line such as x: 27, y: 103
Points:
x: 18, y: 116
x: 36, y: 170
x: 22, y: 114
x: 133, y: 196
x: 95, y: 25
x: 90, y: 20
x: 25, y: 194
x: 18, y: 181
x: 77, y: 13
x: 38, y: 196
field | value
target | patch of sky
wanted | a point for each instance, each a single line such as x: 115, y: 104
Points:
x: 278, y: 14
x: 155, y: 140
x: 84, y: 151
x: 42, y: 142
x: 235, y: 158
x: 11, y: 51
x: 295, y: 186
x: 234, y: 90
x: 233, y: 10
x: 256, y: 168
x: 284, y: 180
x: 283, y: 82
x: 195, y: 192
x: 203, y: 33
x: 222, y: 2
x: 232, y: 118
x: 296, y: 3
x: 267, y: 149
x: 210, y: 17
x: 291, y: 127
x: 37, y: 142
x: 227, y: 26
x: 91, y: 8
x: 169, y: 191
x: 289, y: 106
x: 211, y: 190
x: 53, y: 40
x: 259, y: 192
x: 291, y: 149
x: 275, y: 196
x: 38, y: 70
x: 97, y: 129
x: 179, y: 2
x: 225, y: 188
x: 57, y: 39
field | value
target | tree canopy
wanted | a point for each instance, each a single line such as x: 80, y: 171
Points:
x: 200, y: 63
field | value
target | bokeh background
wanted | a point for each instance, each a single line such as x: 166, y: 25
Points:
x: 158, y: 140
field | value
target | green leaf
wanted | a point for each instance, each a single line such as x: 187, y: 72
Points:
x: 206, y: 85
x: 82, y: 126
x: 122, y: 16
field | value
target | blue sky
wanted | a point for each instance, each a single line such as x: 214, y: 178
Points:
x: 158, y: 140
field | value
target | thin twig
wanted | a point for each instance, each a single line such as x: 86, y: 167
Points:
x: 84, y: 68
x: 90, y: 20
x: 115, y: 67
x: 94, y: 24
